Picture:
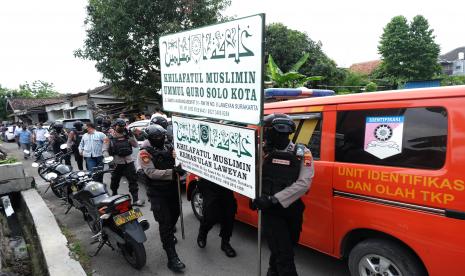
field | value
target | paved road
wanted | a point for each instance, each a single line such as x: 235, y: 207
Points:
x: 209, y: 261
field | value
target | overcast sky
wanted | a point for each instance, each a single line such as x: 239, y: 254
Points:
x: 38, y: 37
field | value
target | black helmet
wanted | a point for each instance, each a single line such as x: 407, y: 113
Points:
x: 156, y: 135
x: 58, y: 127
x: 277, y: 128
x: 281, y: 123
x: 98, y: 120
x: 77, y: 124
x: 159, y: 120
x: 106, y: 123
x: 119, y: 122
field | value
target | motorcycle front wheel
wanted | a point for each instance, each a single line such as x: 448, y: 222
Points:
x: 134, y: 253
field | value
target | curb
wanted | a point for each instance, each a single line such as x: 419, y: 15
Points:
x: 53, y: 243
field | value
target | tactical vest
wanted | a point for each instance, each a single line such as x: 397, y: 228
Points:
x: 120, y: 146
x: 163, y: 160
x: 60, y: 138
x: 280, y: 170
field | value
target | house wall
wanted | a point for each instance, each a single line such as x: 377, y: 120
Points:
x: 55, y: 115
x: 458, y: 67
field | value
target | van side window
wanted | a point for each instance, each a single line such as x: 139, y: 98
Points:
x: 308, y: 131
x: 424, y: 137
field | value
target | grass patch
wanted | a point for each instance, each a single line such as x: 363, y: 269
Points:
x: 8, y: 160
x: 77, y: 251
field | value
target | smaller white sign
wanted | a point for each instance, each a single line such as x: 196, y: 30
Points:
x: 220, y: 153
x: 383, y: 136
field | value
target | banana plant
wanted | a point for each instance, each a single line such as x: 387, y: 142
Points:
x: 291, y: 79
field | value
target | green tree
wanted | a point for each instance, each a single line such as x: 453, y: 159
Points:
x: 452, y: 80
x: 122, y: 37
x: 354, y: 82
x: 371, y: 87
x: 292, y: 78
x: 408, y: 51
x: 38, y: 89
x: 287, y: 46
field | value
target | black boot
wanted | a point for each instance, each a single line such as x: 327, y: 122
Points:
x: 227, y: 248
x: 174, y: 263
x: 202, y: 239
x: 136, y: 201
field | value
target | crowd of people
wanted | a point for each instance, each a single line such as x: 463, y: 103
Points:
x: 287, y: 175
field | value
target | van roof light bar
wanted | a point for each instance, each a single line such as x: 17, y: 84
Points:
x: 295, y: 93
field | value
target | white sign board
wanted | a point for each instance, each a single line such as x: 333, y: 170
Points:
x: 215, y: 71
x: 223, y: 154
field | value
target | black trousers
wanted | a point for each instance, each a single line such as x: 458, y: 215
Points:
x: 166, y: 212
x: 79, y: 159
x: 219, y: 206
x: 281, y: 229
x: 129, y: 171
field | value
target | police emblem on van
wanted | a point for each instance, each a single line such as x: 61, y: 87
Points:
x: 383, y: 136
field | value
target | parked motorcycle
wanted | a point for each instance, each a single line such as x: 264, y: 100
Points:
x: 112, y: 219
x: 53, y: 165
x: 42, y: 153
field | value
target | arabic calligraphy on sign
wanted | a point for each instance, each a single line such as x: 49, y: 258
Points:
x: 220, y: 44
x: 215, y: 136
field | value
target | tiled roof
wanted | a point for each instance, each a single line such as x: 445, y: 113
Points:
x: 365, y: 68
x: 452, y: 55
x: 26, y: 103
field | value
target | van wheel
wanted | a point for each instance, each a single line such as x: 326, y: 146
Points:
x: 376, y: 257
x: 197, y: 203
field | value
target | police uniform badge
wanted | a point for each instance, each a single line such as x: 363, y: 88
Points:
x: 145, y: 157
x: 308, y: 159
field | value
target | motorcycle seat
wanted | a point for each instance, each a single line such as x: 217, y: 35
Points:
x: 109, y: 200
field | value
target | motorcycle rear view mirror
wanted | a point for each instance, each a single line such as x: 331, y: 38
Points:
x: 35, y: 164
x: 63, y: 146
x: 108, y: 159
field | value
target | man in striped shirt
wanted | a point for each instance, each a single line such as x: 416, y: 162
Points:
x: 91, y: 147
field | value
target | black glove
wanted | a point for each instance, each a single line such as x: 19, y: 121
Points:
x: 264, y: 202
x: 178, y: 169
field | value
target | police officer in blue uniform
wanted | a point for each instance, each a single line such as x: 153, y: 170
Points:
x: 287, y: 175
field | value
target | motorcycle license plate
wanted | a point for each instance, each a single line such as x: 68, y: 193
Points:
x: 127, y: 217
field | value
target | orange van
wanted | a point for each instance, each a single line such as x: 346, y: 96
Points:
x: 389, y: 188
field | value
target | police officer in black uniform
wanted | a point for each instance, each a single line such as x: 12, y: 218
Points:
x: 57, y: 138
x: 157, y: 160
x: 119, y: 144
x: 219, y: 205
x: 287, y: 175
